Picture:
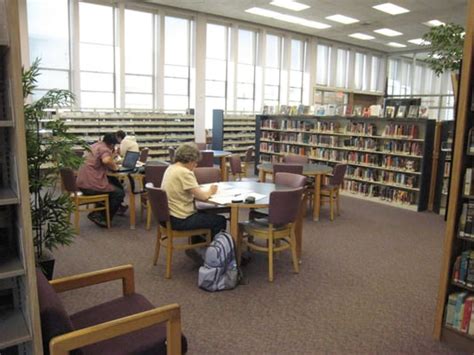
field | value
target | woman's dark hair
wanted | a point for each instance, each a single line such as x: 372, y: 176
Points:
x: 120, y: 134
x: 109, y: 139
x: 186, y: 153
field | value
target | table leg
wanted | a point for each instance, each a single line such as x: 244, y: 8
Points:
x: 131, y: 203
x: 234, y: 222
x: 317, y: 197
x: 261, y: 175
x: 223, y: 169
x: 299, y: 229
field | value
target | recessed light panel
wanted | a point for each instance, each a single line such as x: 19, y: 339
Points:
x: 361, y: 36
x: 419, y: 42
x: 287, y: 18
x: 391, y: 9
x: 434, y: 23
x: 290, y: 5
x: 346, y: 20
x: 388, y: 32
x: 396, y: 45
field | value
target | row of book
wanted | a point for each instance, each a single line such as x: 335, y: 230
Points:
x: 466, y: 220
x: 382, y: 176
x: 361, y: 143
x: 463, y: 268
x: 459, y: 312
x: 368, y: 129
x: 384, y: 193
x: 401, y: 130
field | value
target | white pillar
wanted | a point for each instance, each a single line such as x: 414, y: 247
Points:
x: 200, y: 82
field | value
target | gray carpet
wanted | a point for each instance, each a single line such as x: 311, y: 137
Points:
x: 368, y: 284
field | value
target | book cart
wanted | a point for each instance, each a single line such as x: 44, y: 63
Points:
x: 454, y: 323
x: 19, y: 316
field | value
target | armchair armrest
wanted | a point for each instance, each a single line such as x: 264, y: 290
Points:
x: 171, y: 314
x: 124, y: 272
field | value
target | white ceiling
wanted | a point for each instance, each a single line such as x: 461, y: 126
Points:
x: 410, y: 24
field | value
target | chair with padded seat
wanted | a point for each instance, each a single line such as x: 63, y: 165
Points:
x: 296, y: 159
x: 100, y: 202
x: 278, y: 230
x: 286, y: 168
x: 166, y: 235
x: 208, y: 176
x: 153, y: 175
x: 248, y: 158
x: 330, y: 191
x: 236, y: 169
x: 129, y: 324
x: 143, y: 155
x: 206, y: 161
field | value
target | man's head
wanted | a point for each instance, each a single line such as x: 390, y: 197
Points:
x: 120, y: 135
x: 110, y: 140
x: 187, y: 153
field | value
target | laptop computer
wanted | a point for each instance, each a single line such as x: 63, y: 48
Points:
x: 129, y: 162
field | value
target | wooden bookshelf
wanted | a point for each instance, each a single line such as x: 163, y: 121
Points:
x: 19, y: 316
x: 232, y: 132
x: 389, y: 160
x: 154, y: 130
x: 453, y: 245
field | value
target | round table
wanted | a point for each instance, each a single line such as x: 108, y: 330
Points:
x: 315, y: 170
x: 221, y: 154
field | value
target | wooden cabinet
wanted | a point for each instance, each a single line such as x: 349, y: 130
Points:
x: 19, y: 315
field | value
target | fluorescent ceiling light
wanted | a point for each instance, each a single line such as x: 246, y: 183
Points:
x: 361, y: 36
x: 388, y: 32
x: 391, y: 9
x: 346, y: 20
x: 287, y: 18
x: 396, y: 45
x: 419, y: 42
x: 290, y: 5
x: 434, y: 23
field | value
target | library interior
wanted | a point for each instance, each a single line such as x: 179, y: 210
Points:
x: 231, y: 177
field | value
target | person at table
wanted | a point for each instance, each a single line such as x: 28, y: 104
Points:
x: 182, y: 188
x: 127, y: 143
x: 92, y: 178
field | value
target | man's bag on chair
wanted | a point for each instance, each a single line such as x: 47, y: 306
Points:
x: 220, y: 270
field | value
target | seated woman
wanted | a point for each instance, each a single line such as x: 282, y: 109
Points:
x: 182, y: 188
x: 92, y: 178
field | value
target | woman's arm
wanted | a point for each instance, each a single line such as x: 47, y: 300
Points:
x: 203, y: 194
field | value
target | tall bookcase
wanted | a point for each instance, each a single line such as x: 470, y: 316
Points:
x: 389, y: 160
x: 157, y: 131
x: 19, y: 316
x: 456, y: 268
x: 233, y: 132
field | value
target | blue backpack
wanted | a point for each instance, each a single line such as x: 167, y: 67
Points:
x: 220, y: 270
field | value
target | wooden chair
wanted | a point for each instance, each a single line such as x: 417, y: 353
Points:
x: 236, y: 167
x: 143, y: 155
x: 295, y: 159
x: 129, y: 324
x: 330, y: 192
x: 100, y: 202
x: 278, y: 230
x: 207, y: 160
x: 248, y: 158
x: 287, y: 168
x: 208, y: 176
x: 166, y: 235
x: 154, y: 175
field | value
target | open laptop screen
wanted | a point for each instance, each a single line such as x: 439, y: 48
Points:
x: 130, y: 160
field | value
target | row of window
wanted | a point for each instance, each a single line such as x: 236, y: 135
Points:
x: 125, y: 58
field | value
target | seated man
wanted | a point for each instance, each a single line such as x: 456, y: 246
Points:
x: 182, y: 188
x: 92, y: 178
x: 127, y: 143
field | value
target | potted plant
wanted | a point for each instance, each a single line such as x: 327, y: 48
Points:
x: 445, y: 53
x: 49, y: 147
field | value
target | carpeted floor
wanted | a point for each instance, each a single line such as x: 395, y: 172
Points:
x: 368, y: 284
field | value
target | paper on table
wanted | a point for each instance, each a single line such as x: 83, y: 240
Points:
x: 224, y: 198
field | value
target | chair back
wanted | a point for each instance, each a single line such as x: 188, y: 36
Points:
x: 154, y: 174
x: 295, y: 159
x: 143, y: 155
x: 235, y: 164
x: 290, y: 180
x: 284, y: 206
x: 207, y: 160
x: 201, y: 146
x: 68, y: 179
x: 337, y: 177
x: 171, y: 151
x: 249, y: 154
x: 159, y: 204
x: 207, y: 175
x: 287, y: 168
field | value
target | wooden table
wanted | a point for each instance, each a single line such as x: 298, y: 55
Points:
x: 222, y: 155
x: 264, y: 189
x: 315, y: 170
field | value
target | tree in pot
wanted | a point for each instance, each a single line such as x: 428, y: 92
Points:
x: 446, y: 47
x: 49, y: 148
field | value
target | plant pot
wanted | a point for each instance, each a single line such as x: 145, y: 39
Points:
x: 46, y: 264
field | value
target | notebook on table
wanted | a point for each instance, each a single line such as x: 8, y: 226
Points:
x: 129, y: 162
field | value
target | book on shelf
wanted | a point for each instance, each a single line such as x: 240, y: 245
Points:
x: 401, y: 111
x: 413, y: 111
x: 470, y: 142
x: 451, y: 309
x: 358, y: 110
x: 375, y: 110
x: 390, y: 111
x: 468, y: 182
x: 424, y: 111
x: 466, y: 316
